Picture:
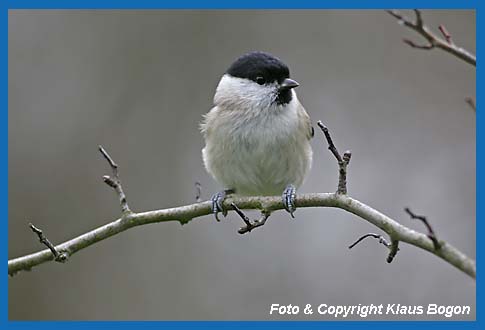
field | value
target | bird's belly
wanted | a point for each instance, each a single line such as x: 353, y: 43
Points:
x: 262, y: 163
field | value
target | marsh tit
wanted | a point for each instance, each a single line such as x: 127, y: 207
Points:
x: 257, y: 135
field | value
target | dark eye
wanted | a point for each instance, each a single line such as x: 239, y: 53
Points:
x: 260, y: 80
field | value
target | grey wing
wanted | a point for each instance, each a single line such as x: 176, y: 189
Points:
x: 306, y: 122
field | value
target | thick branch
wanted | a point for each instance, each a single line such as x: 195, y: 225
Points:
x: 184, y: 214
x: 433, y: 41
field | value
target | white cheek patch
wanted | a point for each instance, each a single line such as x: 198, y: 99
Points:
x: 235, y: 92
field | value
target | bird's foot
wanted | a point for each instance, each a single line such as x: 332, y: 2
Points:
x: 249, y: 225
x: 288, y: 198
x: 217, y: 202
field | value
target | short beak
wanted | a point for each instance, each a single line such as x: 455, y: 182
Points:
x: 288, y: 84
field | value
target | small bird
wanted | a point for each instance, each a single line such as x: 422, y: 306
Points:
x: 257, y: 135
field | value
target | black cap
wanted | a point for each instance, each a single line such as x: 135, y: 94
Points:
x: 257, y: 65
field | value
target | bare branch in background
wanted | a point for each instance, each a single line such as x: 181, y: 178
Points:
x: 433, y: 41
x: 446, y: 34
x: 431, y: 233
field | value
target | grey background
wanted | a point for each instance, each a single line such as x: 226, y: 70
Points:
x: 138, y: 82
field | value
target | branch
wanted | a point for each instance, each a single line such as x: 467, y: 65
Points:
x: 198, y: 192
x: 381, y: 239
x: 433, y: 41
x: 266, y: 205
x: 115, y: 182
x: 184, y: 214
x: 471, y: 102
x: 431, y: 234
x: 343, y: 162
x: 58, y: 256
x: 393, y: 247
x: 250, y: 225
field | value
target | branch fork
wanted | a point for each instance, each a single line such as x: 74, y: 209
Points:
x: 250, y: 225
x: 58, y: 256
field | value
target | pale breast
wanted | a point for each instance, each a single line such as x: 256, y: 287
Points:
x: 259, y: 156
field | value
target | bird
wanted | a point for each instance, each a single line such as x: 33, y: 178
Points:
x: 257, y: 134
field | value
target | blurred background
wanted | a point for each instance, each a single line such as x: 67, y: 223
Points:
x: 138, y: 82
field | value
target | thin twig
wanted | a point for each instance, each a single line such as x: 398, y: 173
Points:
x: 393, y: 247
x: 415, y: 45
x: 115, y: 182
x: 431, y: 234
x: 471, y: 102
x: 343, y: 162
x: 58, y: 256
x: 381, y: 239
x: 393, y: 250
x: 433, y: 41
x: 250, y: 225
x: 198, y: 192
x: 243, y: 216
x: 446, y: 34
x: 331, y: 145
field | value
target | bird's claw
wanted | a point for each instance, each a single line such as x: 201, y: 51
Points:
x: 288, y: 197
x: 217, y: 203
